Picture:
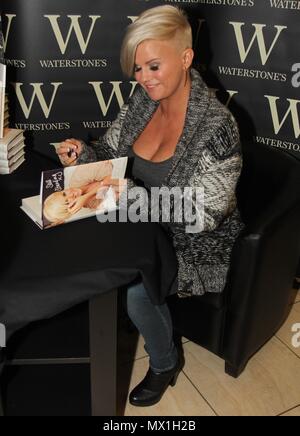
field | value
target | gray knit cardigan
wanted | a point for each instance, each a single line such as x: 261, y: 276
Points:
x: 207, y: 155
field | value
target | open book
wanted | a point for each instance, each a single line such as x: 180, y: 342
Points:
x: 74, y: 193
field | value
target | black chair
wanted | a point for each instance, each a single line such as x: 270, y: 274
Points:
x: 256, y: 301
x: 297, y: 279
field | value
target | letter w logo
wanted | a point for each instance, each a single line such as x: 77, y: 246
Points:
x: 293, y: 110
x: 10, y: 18
x: 63, y: 44
x: 259, y: 36
x: 37, y: 92
x: 116, y: 91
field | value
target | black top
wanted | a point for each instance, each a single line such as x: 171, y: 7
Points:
x: 152, y: 174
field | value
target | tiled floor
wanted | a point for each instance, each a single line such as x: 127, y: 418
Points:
x: 269, y: 386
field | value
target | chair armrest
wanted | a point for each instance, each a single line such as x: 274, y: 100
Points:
x: 270, y: 218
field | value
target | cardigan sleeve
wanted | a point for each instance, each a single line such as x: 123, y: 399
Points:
x: 107, y: 146
x: 211, y: 194
x: 220, y: 178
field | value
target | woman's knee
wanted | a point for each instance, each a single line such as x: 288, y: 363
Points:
x: 136, y: 298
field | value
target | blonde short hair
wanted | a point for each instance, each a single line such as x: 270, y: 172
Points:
x: 55, y: 208
x: 160, y: 23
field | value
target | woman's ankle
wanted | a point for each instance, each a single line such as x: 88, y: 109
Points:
x: 166, y: 364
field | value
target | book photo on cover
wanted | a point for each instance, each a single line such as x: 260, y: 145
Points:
x: 74, y: 193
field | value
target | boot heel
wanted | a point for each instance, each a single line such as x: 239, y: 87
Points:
x: 174, y: 379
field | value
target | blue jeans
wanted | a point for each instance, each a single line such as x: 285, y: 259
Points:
x: 155, y: 325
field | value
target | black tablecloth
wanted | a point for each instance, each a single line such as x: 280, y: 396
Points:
x: 43, y: 272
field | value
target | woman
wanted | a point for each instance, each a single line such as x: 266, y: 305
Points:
x: 180, y: 136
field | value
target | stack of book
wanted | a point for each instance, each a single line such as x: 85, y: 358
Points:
x: 3, y: 100
x: 11, y: 140
x: 12, y: 153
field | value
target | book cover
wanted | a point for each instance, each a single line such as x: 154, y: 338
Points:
x: 74, y: 193
x: 2, y: 97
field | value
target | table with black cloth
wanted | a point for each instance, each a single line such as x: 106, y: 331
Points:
x: 45, y: 272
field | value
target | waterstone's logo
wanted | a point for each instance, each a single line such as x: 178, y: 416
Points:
x: 258, y: 37
x: 75, y: 27
x: 291, y: 113
x: 37, y: 93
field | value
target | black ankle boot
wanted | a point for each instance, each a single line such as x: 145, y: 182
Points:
x: 154, y: 385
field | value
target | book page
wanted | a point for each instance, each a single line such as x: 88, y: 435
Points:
x: 74, y: 193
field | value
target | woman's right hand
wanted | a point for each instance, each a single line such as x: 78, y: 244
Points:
x: 69, y: 151
x: 78, y: 204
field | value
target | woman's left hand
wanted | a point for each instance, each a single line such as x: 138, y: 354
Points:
x: 117, y: 184
x: 93, y: 203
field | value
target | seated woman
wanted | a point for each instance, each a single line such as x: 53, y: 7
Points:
x: 180, y: 136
